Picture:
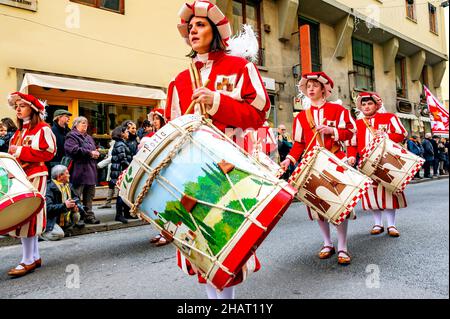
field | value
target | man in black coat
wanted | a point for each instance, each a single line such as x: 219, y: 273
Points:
x: 60, y: 128
x: 434, y: 141
x: 62, y: 204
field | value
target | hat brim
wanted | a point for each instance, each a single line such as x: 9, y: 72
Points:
x: 326, y: 85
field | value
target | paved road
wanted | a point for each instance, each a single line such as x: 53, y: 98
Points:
x: 121, y: 263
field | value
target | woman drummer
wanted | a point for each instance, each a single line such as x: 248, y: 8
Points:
x: 333, y: 124
x: 234, y: 98
x: 32, y: 145
x: 376, y: 121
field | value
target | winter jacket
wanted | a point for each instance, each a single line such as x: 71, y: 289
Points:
x: 415, y: 148
x: 60, y: 134
x: 4, y: 141
x: 428, y: 152
x: 121, y: 158
x: 79, y: 147
x: 53, y: 200
x: 132, y: 143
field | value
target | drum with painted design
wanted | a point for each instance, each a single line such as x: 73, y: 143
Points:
x: 389, y: 164
x: 211, y: 199
x: 19, y: 200
x: 329, y: 186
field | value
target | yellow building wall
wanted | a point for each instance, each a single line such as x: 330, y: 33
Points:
x: 142, y: 46
x: 392, y: 14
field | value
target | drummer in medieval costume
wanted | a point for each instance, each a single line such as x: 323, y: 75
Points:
x: 373, y: 122
x: 234, y: 95
x: 32, y: 145
x: 327, y: 124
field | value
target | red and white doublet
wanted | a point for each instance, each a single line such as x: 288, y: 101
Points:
x: 378, y: 197
x: 332, y: 115
x: 35, y: 147
x: 240, y: 99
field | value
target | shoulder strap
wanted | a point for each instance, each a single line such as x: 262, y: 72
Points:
x: 312, y: 125
x: 371, y: 129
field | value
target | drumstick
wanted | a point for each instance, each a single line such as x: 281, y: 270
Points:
x: 191, y: 73
x: 198, y: 82
x: 195, y: 101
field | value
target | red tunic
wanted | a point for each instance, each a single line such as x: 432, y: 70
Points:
x: 35, y: 147
x: 240, y: 100
x: 335, y: 116
x: 377, y: 196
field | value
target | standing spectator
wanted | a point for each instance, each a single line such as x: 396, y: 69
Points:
x: 284, y: 147
x: 443, y: 157
x: 415, y: 147
x: 60, y: 128
x: 434, y: 141
x: 447, y: 147
x: 3, y: 144
x: 81, y: 148
x: 133, y: 140
x: 120, y: 159
x: 144, y: 129
x: 61, y: 202
x: 11, y: 128
x: 428, y: 154
x: 107, y: 163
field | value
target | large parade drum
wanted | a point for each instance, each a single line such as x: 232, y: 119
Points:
x: 206, y: 195
x: 19, y: 200
x: 329, y: 186
x: 389, y: 164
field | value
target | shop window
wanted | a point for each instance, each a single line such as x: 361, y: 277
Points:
x: 103, y: 117
x: 249, y: 12
x: 432, y: 13
x: 314, y: 33
x: 363, y: 65
x: 407, y: 123
x: 400, y: 77
x: 110, y: 5
x: 411, y: 10
x: 273, y: 112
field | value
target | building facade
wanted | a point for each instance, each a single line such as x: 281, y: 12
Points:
x: 111, y: 60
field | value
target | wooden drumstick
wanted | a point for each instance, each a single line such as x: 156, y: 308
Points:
x: 313, y: 139
x: 195, y: 101
x: 198, y: 82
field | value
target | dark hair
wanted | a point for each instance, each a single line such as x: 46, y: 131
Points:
x: 367, y: 99
x: 126, y: 123
x: 161, y: 119
x: 217, y: 43
x: 116, y: 134
x: 9, y: 124
x: 146, y: 123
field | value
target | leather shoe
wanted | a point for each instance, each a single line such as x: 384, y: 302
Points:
x: 344, y: 260
x: 393, y: 232
x: 22, y: 272
x: 326, y: 254
x: 38, y: 263
x: 121, y: 219
x: 377, y: 229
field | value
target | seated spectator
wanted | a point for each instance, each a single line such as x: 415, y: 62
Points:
x: 63, y: 206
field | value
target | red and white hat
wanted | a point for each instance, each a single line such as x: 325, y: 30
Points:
x: 319, y: 76
x: 204, y: 8
x: 32, y: 101
x: 376, y: 98
x: 159, y: 112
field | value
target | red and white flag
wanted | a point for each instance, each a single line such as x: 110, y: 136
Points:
x: 438, y: 114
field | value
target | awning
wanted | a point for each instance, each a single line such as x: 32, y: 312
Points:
x: 65, y: 83
x: 406, y: 116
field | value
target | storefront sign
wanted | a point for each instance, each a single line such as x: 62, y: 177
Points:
x: 23, y: 4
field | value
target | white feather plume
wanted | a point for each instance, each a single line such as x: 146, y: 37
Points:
x: 245, y: 44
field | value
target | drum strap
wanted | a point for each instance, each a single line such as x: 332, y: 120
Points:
x: 309, y: 117
x: 371, y: 129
